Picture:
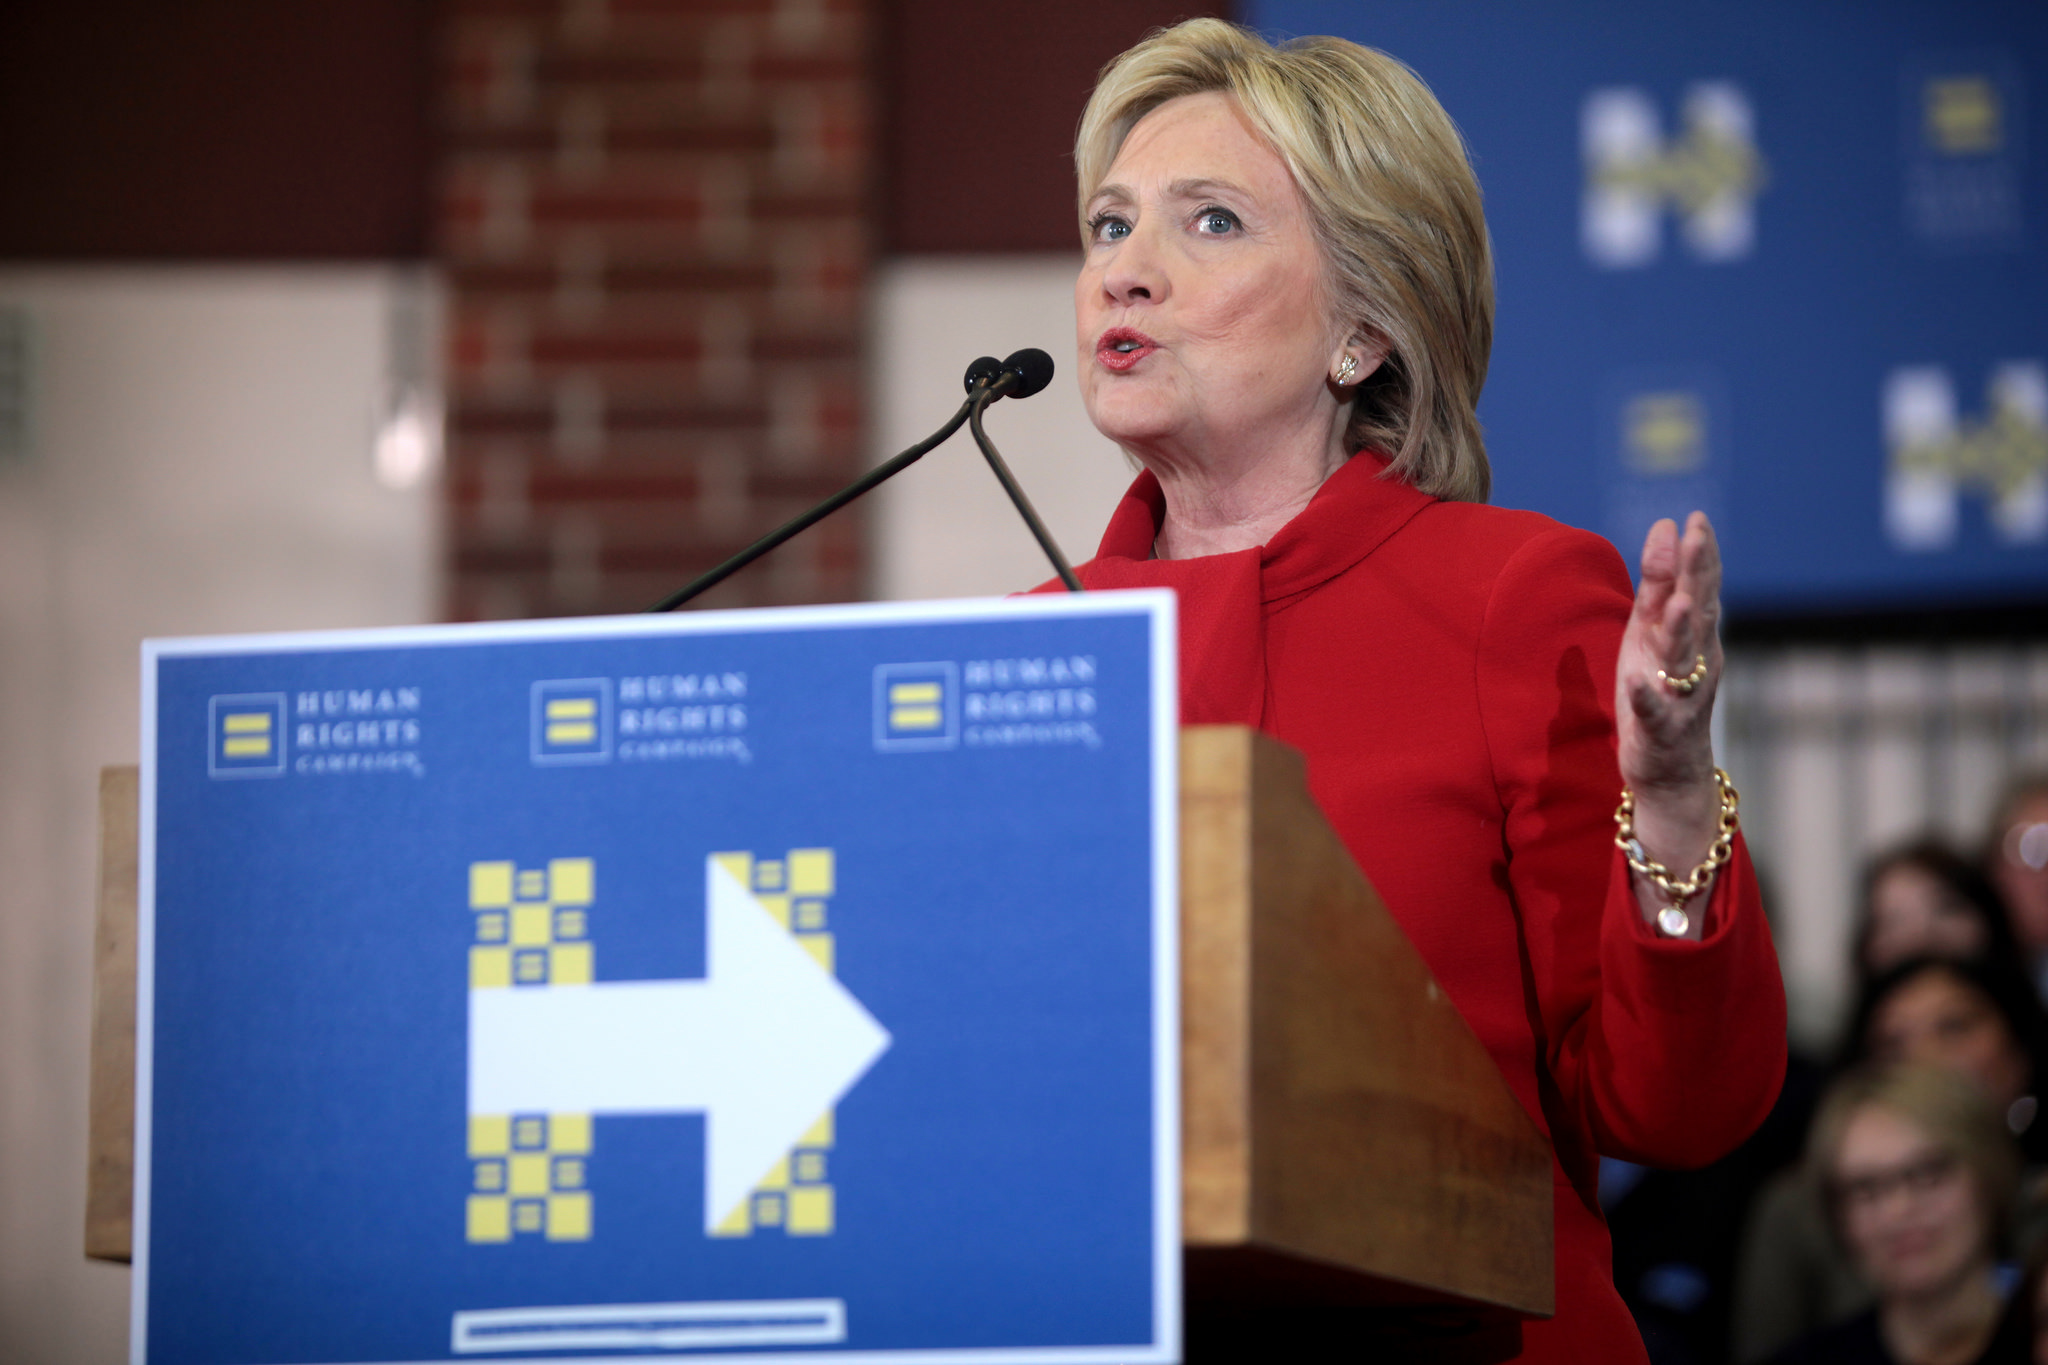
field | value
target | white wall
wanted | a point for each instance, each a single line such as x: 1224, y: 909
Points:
x: 943, y: 528
x: 201, y: 461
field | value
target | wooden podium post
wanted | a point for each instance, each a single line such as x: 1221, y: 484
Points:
x: 1345, y: 1138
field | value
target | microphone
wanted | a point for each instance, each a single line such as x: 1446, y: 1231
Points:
x: 983, y: 372
x: 1024, y: 373
x: 987, y: 379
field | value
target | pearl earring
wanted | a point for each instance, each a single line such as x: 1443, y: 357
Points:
x: 1346, y: 370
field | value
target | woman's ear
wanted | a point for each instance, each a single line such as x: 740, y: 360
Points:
x: 1356, y: 360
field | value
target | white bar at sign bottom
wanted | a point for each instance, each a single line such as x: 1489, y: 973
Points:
x: 660, y: 1326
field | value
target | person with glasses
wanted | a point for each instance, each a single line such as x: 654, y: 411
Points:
x: 1919, y: 1175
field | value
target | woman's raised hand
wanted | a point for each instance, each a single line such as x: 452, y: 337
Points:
x: 1667, y: 751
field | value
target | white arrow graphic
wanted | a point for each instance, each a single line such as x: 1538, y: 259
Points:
x: 763, y: 1045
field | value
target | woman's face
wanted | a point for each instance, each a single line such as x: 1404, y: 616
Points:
x: 1201, y: 321
x: 1914, y: 913
x: 1940, y: 1018
x: 1910, y: 1213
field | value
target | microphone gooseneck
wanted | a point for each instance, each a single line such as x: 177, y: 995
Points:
x: 1024, y: 373
x: 987, y: 379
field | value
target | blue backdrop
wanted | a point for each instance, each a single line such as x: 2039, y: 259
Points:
x: 1784, y: 262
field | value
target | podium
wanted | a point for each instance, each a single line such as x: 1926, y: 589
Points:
x: 1346, y: 1141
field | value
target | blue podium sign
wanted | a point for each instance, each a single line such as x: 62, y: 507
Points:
x: 759, y: 984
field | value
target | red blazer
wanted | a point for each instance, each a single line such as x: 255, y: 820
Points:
x: 1448, y: 669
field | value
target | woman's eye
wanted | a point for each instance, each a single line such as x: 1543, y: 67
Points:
x: 1106, y: 227
x: 1216, y: 222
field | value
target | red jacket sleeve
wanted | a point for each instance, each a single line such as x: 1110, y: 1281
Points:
x: 1672, y: 1051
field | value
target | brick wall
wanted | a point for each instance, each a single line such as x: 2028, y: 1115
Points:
x: 654, y: 224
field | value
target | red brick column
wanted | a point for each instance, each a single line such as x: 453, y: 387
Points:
x: 654, y: 223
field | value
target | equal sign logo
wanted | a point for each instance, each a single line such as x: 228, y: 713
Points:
x: 917, y: 706
x: 247, y: 735
x: 572, y: 720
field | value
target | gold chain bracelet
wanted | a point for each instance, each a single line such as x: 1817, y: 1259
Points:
x: 1672, y: 919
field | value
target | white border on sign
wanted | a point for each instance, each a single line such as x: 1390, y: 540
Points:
x: 1159, y: 604
x: 652, y: 1326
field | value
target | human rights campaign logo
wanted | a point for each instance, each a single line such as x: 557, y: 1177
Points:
x: 247, y: 735
x: 1668, y: 427
x: 1963, y: 115
x: 1939, y: 454
x: 917, y: 706
x: 1707, y: 177
x: 572, y: 721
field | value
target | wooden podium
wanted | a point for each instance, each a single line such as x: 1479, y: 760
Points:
x: 1347, y: 1143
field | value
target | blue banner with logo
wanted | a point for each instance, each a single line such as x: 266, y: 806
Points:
x: 798, y: 982
x: 1785, y: 263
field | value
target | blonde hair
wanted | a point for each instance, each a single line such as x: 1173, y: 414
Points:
x: 1948, y: 1107
x: 1395, y: 209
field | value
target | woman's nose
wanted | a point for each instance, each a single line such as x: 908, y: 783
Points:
x: 1136, y: 273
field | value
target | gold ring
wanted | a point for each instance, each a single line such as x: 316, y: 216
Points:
x: 1684, y: 686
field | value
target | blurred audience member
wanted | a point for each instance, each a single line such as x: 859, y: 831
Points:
x: 2018, y: 862
x: 1976, y: 1019
x: 1979, y: 1018
x: 1924, y: 899
x: 1919, y: 1177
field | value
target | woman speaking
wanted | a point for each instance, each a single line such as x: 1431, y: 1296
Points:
x: 1284, y: 315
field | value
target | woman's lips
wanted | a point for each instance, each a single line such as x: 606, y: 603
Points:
x: 1122, y: 347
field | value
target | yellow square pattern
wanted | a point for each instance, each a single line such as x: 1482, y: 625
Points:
x: 810, y: 872
x: 569, y: 1133
x: 489, y: 1135
x: 810, y: 1211
x: 530, y: 1173
x: 571, y: 881
x: 795, y: 890
x: 570, y: 964
x: 569, y: 1218
x: 490, y: 885
x: 490, y: 1218
x: 489, y: 968
x: 532, y: 925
